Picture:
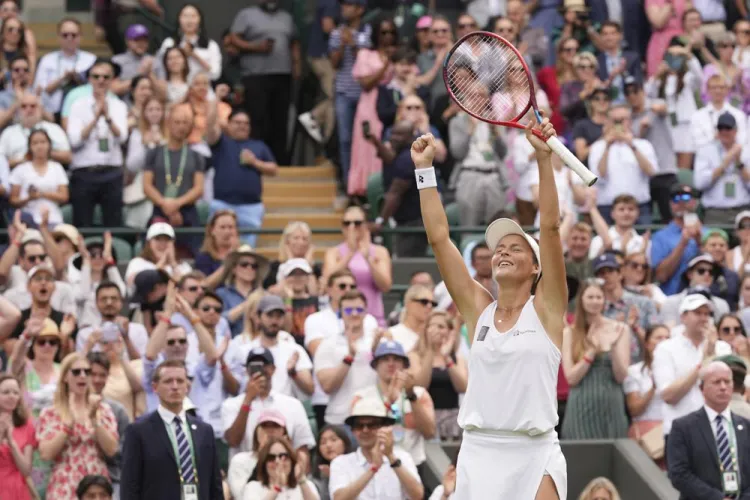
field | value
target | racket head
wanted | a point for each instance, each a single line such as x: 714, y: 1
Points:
x: 487, y: 77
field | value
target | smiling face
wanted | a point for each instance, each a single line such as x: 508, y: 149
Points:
x: 69, y: 36
x: 200, y: 86
x: 635, y: 269
x: 176, y: 62
x: 20, y: 72
x: 701, y: 274
x: 78, y: 377
x: 209, y: 310
x: 143, y: 91
x: 330, y: 445
x: 353, y: 223
x: 568, y: 50
x: 278, y: 460
x: 12, y: 29
x: 466, y: 24
x: 353, y: 313
x: 506, y: 29
x: 189, y: 20
x: 39, y: 146
x: 176, y: 345
x: 742, y: 32
x: 592, y: 300
x: 717, y: 247
x: 514, y: 259
x: 45, y: 348
x: 440, y: 33
x: 154, y: 112
x: 299, y: 243
x: 10, y: 395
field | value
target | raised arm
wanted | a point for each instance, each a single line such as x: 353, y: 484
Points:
x: 470, y: 297
x: 551, y: 299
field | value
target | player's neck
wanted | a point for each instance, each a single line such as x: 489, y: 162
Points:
x: 512, y: 295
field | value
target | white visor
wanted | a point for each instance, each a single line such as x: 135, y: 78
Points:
x: 502, y: 228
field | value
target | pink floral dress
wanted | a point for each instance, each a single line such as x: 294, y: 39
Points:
x: 365, y: 159
x: 80, y: 456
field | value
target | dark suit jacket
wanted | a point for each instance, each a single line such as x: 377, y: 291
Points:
x: 694, y: 461
x: 632, y: 65
x: 149, y: 468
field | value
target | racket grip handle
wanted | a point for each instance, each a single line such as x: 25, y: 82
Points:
x: 572, y: 161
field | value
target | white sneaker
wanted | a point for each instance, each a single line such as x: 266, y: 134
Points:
x: 311, y: 127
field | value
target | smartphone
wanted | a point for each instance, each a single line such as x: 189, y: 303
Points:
x: 366, y: 128
x: 691, y: 219
x: 256, y: 367
x: 110, y: 332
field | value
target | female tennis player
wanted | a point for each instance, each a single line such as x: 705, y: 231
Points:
x: 510, y: 449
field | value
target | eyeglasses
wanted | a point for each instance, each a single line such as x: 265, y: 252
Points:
x: 77, y: 372
x: 172, y: 342
x: 355, y: 223
x: 69, y: 35
x: 426, y: 302
x: 245, y: 264
x: 683, y: 197
x: 703, y: 270
x: 348, y: 311
x: 731, y: 329
x: 215, y: 309
x: 49, y: 342
x: 638, y: 266
x: 415, y: 107
x: 99, y: 76
x: 347, y: 286
x: 272, y: 457
x: 360, y: 426
x: 585, y: 66
x: 37, y: 258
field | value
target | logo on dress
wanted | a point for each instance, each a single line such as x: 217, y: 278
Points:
x: 483, y: 333
x: 516, y: 333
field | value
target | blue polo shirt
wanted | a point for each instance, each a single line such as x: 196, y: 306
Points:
x: 662, y: 244
x: 235, y: 183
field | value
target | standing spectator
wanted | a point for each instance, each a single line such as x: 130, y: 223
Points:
x: 369, y: 263
x: 158, y: 253
x: 240, y: 164
x: 295, y: 243
x: 552, y: 78
x: 577, y: 24
x: 174, y: 87
x: 738, y: 404
x: 578, y: 243
x: 19, y: 82
x: 634, y: 160
x: 268, y: 38
x: 666, y: 19
x: 18, y: 440
x: 404, y: 83
x: 138, y: 92
x: 636, y: 278
x: 77, y: 432
x: 342, y: 362
x: 150, y: 469
x: 741, y: 54
x: 703, y: 123
x: 9, y: 9
x: 320, y: 120
x: 200, y: 98
x: 699, y: 276
x: 174, y: 175
x: 203, y: 54
x: 280, y: 471
x: 62, y: 70
x: 343, y: 45
x: 14, y: 142
x: 727, y: 283
x: 616, y: 64
x: 735, y: 76
x: 294, y: 288
x: 720, y: 174
x: 98, y: 127
x: 678, y: 360
x: 677, y: 244
x: 587, y: 130
x: 419, y: 301
x: 693, y: 466
x: 135, y: 61
x: 220, y: 239
x: 431, y: 61
x: 575, y: 93
x: 596, y: 355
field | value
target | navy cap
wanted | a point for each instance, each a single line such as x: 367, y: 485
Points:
x: 363, y: 3
x: 605, y: 261
x: 271, y: 303
x: 726, y: 120
x: 259, y: 353
x: 389, y: 347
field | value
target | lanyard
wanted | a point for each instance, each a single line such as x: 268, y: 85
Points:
x: 396, y: 411
x: 168, y: 166
x: 173, y: 440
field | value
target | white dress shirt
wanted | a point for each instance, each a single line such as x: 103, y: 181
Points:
x: 210, y: 54
x: 640, y: 381
x: 87, y: 152
x: 14, y: 141
x: 624, y: 176
x: 726, y: 420
x: 729, y: 190
x: 703, y: 124
x: 52, y: 66
x: 385, y: 485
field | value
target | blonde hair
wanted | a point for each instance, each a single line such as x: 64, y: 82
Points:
x: 248, y: 324
x: 143, y: 125
x: 291, y: 228
x: 586, y: 57
x: 424, y: 343
x: 599, y: 483
x: 62, y: 393
x: 412, y: 292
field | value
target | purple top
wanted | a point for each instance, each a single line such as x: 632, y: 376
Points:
x: 365, y: 282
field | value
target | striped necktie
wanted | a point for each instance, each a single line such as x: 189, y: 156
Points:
x: 185, y: 455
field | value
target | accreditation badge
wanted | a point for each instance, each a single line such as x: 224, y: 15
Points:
x: 189, y: 492
x: 731, y: 484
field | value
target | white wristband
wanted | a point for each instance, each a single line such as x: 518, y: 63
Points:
x: 425, y: 178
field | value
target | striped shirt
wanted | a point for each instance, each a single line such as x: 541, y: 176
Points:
x: 345, y: 82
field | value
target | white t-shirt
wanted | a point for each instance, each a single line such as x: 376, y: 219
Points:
x: 25, y: 176
x: 564, y: 191
x: 635, y: 244
x: 640, y: 381
x: 405, y: 336
x: 139, y: 264
x: 281, y: 352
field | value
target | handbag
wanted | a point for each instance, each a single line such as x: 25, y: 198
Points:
x: 652, y: 441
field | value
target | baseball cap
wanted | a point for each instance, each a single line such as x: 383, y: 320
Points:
x: 732, y: 360
x: 67, y: 231
x: 159, y: 229
x: 694, y: 301
x: 272, y: 415
x: 293, y: 264
x: 369, y: 407
x: 136, y: 31
x: 745, y: 214
x: 145, y: 282
x: 631, y: 81
x: 726, y: 120
x: 32, y: 235
x: 605, y: 261
x: 260, y: 353
x: 683, y: 189
x: 423, y: 22
x: 715, y: 231
x: 271, y: 303
x: 701, y: 258
x: 503, y: 227
x: 389, y: 347
x: 41, y: 268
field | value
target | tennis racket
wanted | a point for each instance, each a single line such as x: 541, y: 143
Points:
x: 488, y: 78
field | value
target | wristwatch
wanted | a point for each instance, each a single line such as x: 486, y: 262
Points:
x: 396, y: 464
x: 411, y: 396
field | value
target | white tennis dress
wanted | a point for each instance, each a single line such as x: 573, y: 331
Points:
x: 509, y: 412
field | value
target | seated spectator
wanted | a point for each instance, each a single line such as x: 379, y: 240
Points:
x: 281, y: 471
x: 14, y: 144
x: 97, y: 266
x: 149, y: 296
x: 575, y: 93
x: 95, y: 487
x: 372, y: 428
x: 727, y: 283
x: 674, y: 246
x: 439, y: 367
x: 430, y: 61
x: 405, y: 82
x: 239, y: 414
x: 730, y: 329
x: 242, y: 467
x: 736, y: 77
x: 700, y: 274
x: 616, y: 64
x: 19, y: 441
x: 39, y: 184
x: 9, y: 9
x: 588, y: 130
x: 97, y: 128
x: 295, y: 243
x: 738, y: 404
x: 158, y: 253
x: 101, y: 365
x: 419, y: 301
x: 703, y: 123
x: 342, y: 362
x: 240, y: 164
x: 77, y: 431
x: 621, y: 236
x: 596, y: 356
x: 578, y: 244
x: 244, y: 271
x: 149, y: 131
x: 173, y: 88
x: 636, y: 278
x: 19, y: 83
x: 600, y: 488
x: 332, y: 442
x: 369, y: 263
x: 737, y: 256
x: 203, y: 54
x: 62, y: 70
x: 644, y: 405
x: 412, y: 109
x: 220, y: 239
x: 202, y: 100
x: 135, y: 62
x: 296, y: 275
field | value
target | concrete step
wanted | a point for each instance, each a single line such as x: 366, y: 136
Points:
x: 300, y: 189
x: 286, y: 203
x: 315, y: 220
x: 317, y: 172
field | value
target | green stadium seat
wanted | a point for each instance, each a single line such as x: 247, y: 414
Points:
x: 685, y: 176
x: 67, y: 213
x: 311, y: 417
x: 122, y: 249
x: 203, y: 211
x: 467, y: 239
x: 375, y: 194
x: 138, y: 247
x: 98, y: 220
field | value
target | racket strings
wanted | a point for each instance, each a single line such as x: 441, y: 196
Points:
x: 488, y: 79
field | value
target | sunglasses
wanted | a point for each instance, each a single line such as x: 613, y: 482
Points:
x: 77, y: 372
x: 347, y: 286
x: 731, y: 329
x: 348, y: 311
x: 172, y: 342
x: 36, y: 258
x: 569, y: 50
x: 466, y: 26
x: 426, y: 302
x: 685, y: 197
x: 245, y: 264
x: 215, y: 309
x: 360, y: 426
x: 272, y: 457
x: 355, y: 223
x: 49, y: 342
x: 703, y: 270
x: 638, y: 266
x: 69, y: 35
x: 97, y: 77
x: 585, y: 66
x: 415, y: 107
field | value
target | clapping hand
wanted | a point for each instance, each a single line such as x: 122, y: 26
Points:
x: 95, y: 401
x: 247, y: 157
x: 449, y: 480
x: 292, y: 362
x: 300, y: 469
